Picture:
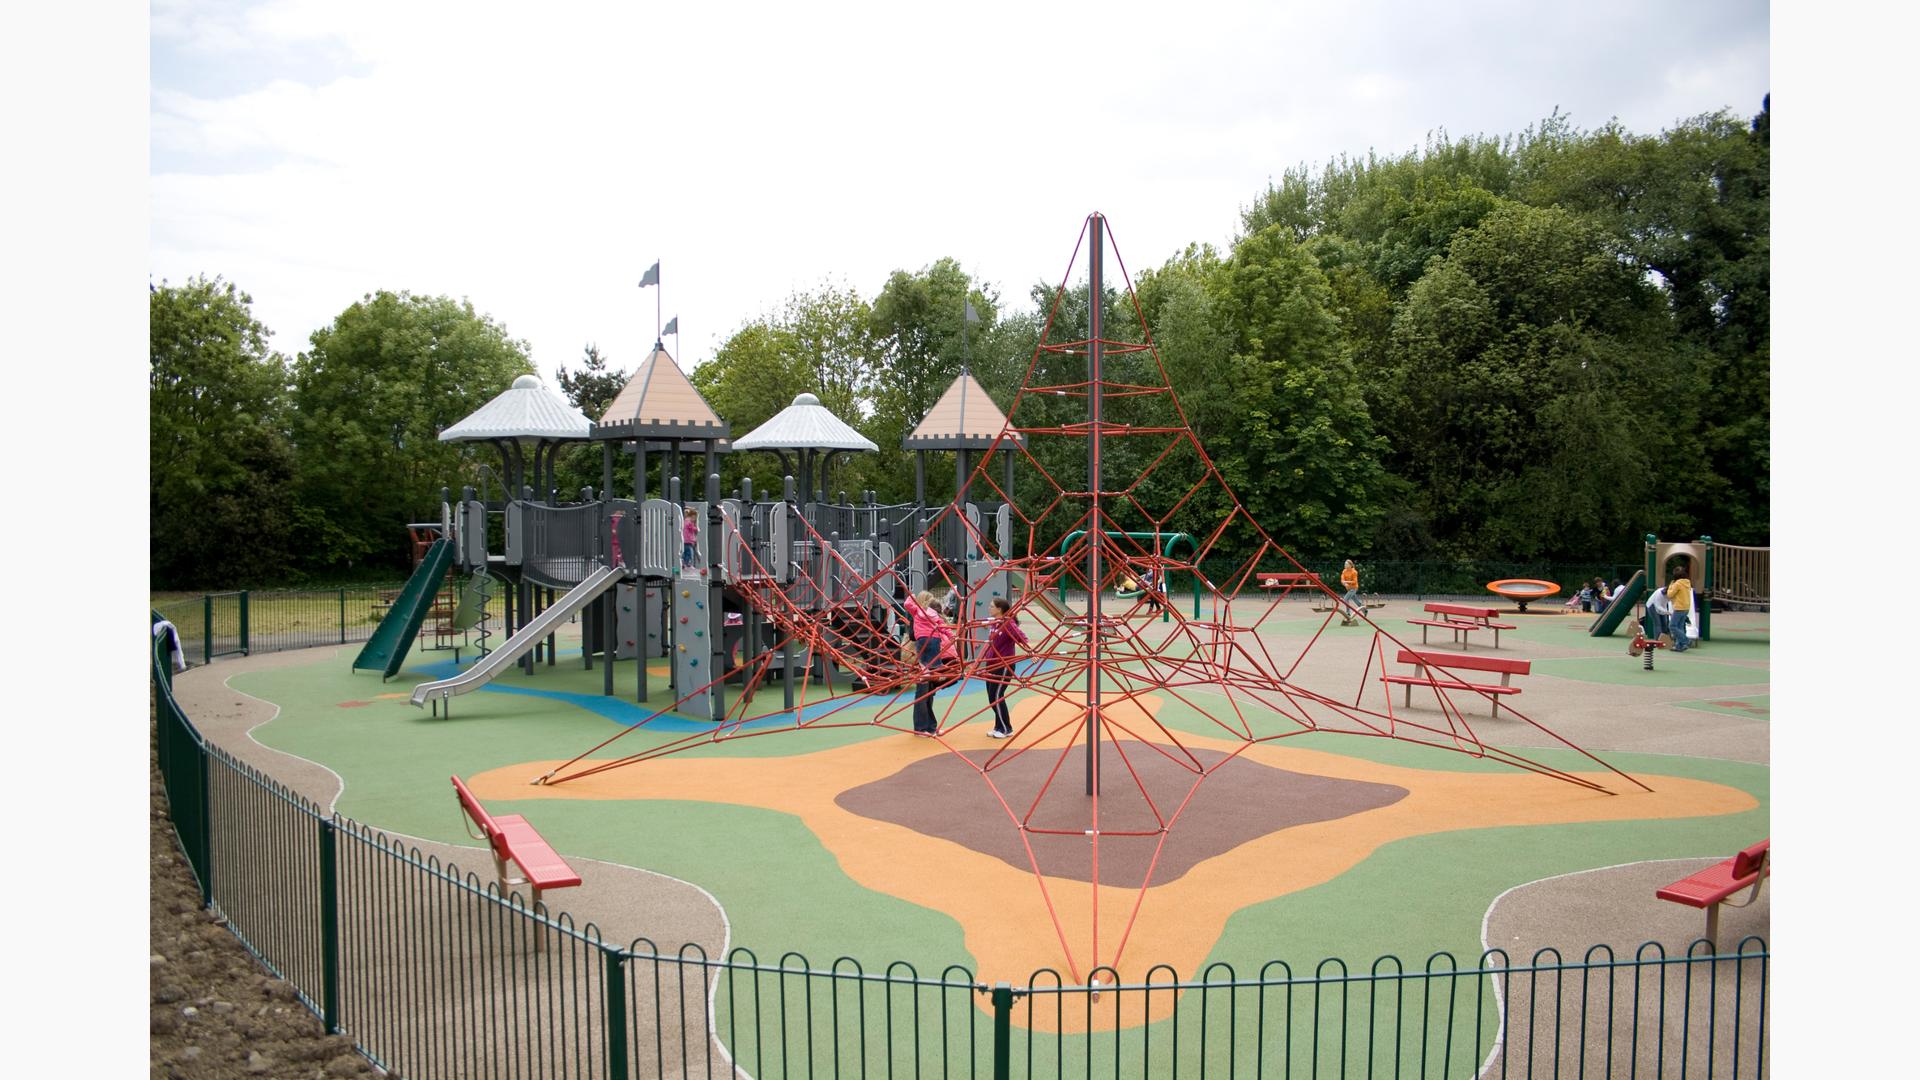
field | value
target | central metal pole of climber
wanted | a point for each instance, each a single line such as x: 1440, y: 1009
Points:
x: 1096, y: 530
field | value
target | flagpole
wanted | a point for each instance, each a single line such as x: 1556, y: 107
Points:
x: 657, y: 290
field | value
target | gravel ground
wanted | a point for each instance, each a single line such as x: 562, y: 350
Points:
x: 216, y: 1013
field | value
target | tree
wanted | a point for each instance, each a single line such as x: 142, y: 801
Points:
x: 1309, y: 468
x: 595, y: 385
x: 221, y: 496
x: 1532, y: 390
x: 1690, y: 208
x: 372, y: 394
x: 918, y: 323
x: 820, y: 344
x: 591, y: 389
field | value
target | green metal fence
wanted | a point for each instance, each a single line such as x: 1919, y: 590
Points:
x: 433, y: 972
x: 250, y: 621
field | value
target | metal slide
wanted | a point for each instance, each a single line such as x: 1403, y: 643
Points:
x: 484, y: 669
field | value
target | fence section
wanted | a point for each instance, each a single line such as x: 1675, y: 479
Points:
x: 225, y: 624
x: 435, y: 973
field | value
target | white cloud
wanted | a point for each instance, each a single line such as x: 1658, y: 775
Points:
x: 536, y: 158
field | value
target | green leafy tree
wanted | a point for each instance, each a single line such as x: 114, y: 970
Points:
x: 222, y: 502
x: 1691, y: 208
x: 1533, y: 391
x: 591, y: 388
x: 918, y: 323
x: 594, y: 386
x: 1309, y: 470
x: 372, y: 394
x: 819, y: 343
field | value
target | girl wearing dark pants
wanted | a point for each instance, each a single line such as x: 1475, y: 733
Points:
x: 935, y: 640
x: 924, y: 721
x: 998, y: 660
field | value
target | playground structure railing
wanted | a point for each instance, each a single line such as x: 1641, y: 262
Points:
x: 433, y: 972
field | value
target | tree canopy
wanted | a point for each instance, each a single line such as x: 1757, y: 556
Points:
x: 370, y: 397
x: 1537, y: 346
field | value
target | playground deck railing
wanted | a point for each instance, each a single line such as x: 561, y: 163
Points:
x: 433, y: 972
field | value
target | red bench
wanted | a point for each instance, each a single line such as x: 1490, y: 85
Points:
x: 510, y: 839
x: 1437, y: 670
x: 1711, y: 887
x: 1289, y: 582
x: 1463, y: 620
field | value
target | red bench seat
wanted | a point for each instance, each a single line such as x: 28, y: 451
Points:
x: 1462, y: 619
x: 510, y: 839
x: 1717, y: 883
x: 1440, y: 671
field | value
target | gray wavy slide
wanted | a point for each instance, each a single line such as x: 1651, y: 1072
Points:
x: 484, y: 669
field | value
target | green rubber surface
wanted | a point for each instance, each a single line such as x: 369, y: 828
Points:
x: 783, y: 890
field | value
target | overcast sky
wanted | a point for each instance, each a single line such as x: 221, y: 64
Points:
x: 537, y: 158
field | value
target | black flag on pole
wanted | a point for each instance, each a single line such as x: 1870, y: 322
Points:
x: 971, y: 315
x: 652, y: 276
x: 672, y: 327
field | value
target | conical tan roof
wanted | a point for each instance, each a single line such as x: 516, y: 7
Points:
x: 964, y: 418
x: 659, y: 401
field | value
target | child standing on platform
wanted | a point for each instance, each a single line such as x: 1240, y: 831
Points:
x: 689, y: 540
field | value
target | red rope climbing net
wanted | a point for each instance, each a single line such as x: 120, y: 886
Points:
x: 1088, y: 670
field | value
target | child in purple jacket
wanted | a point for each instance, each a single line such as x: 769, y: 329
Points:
x: 997, y: 663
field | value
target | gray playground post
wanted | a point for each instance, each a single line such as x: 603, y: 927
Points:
x: 716, y: 606
x: 672, y: 606
x: 786, y: 640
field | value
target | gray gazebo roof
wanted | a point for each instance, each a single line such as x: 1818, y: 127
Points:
x: 527, y: 410
x: 804, y: 425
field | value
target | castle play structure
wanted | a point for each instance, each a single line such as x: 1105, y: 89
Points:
x: 618, y: 561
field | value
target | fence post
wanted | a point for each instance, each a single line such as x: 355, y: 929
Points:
x: 1002, y: 1031
x: 204, y: 842
x: 343, y: 614
x: 246, y: 643
x: 206, y: 610
x: 329, y: 928
x: 616, y: 1015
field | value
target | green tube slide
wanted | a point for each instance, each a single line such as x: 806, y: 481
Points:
x: 387, y: 649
